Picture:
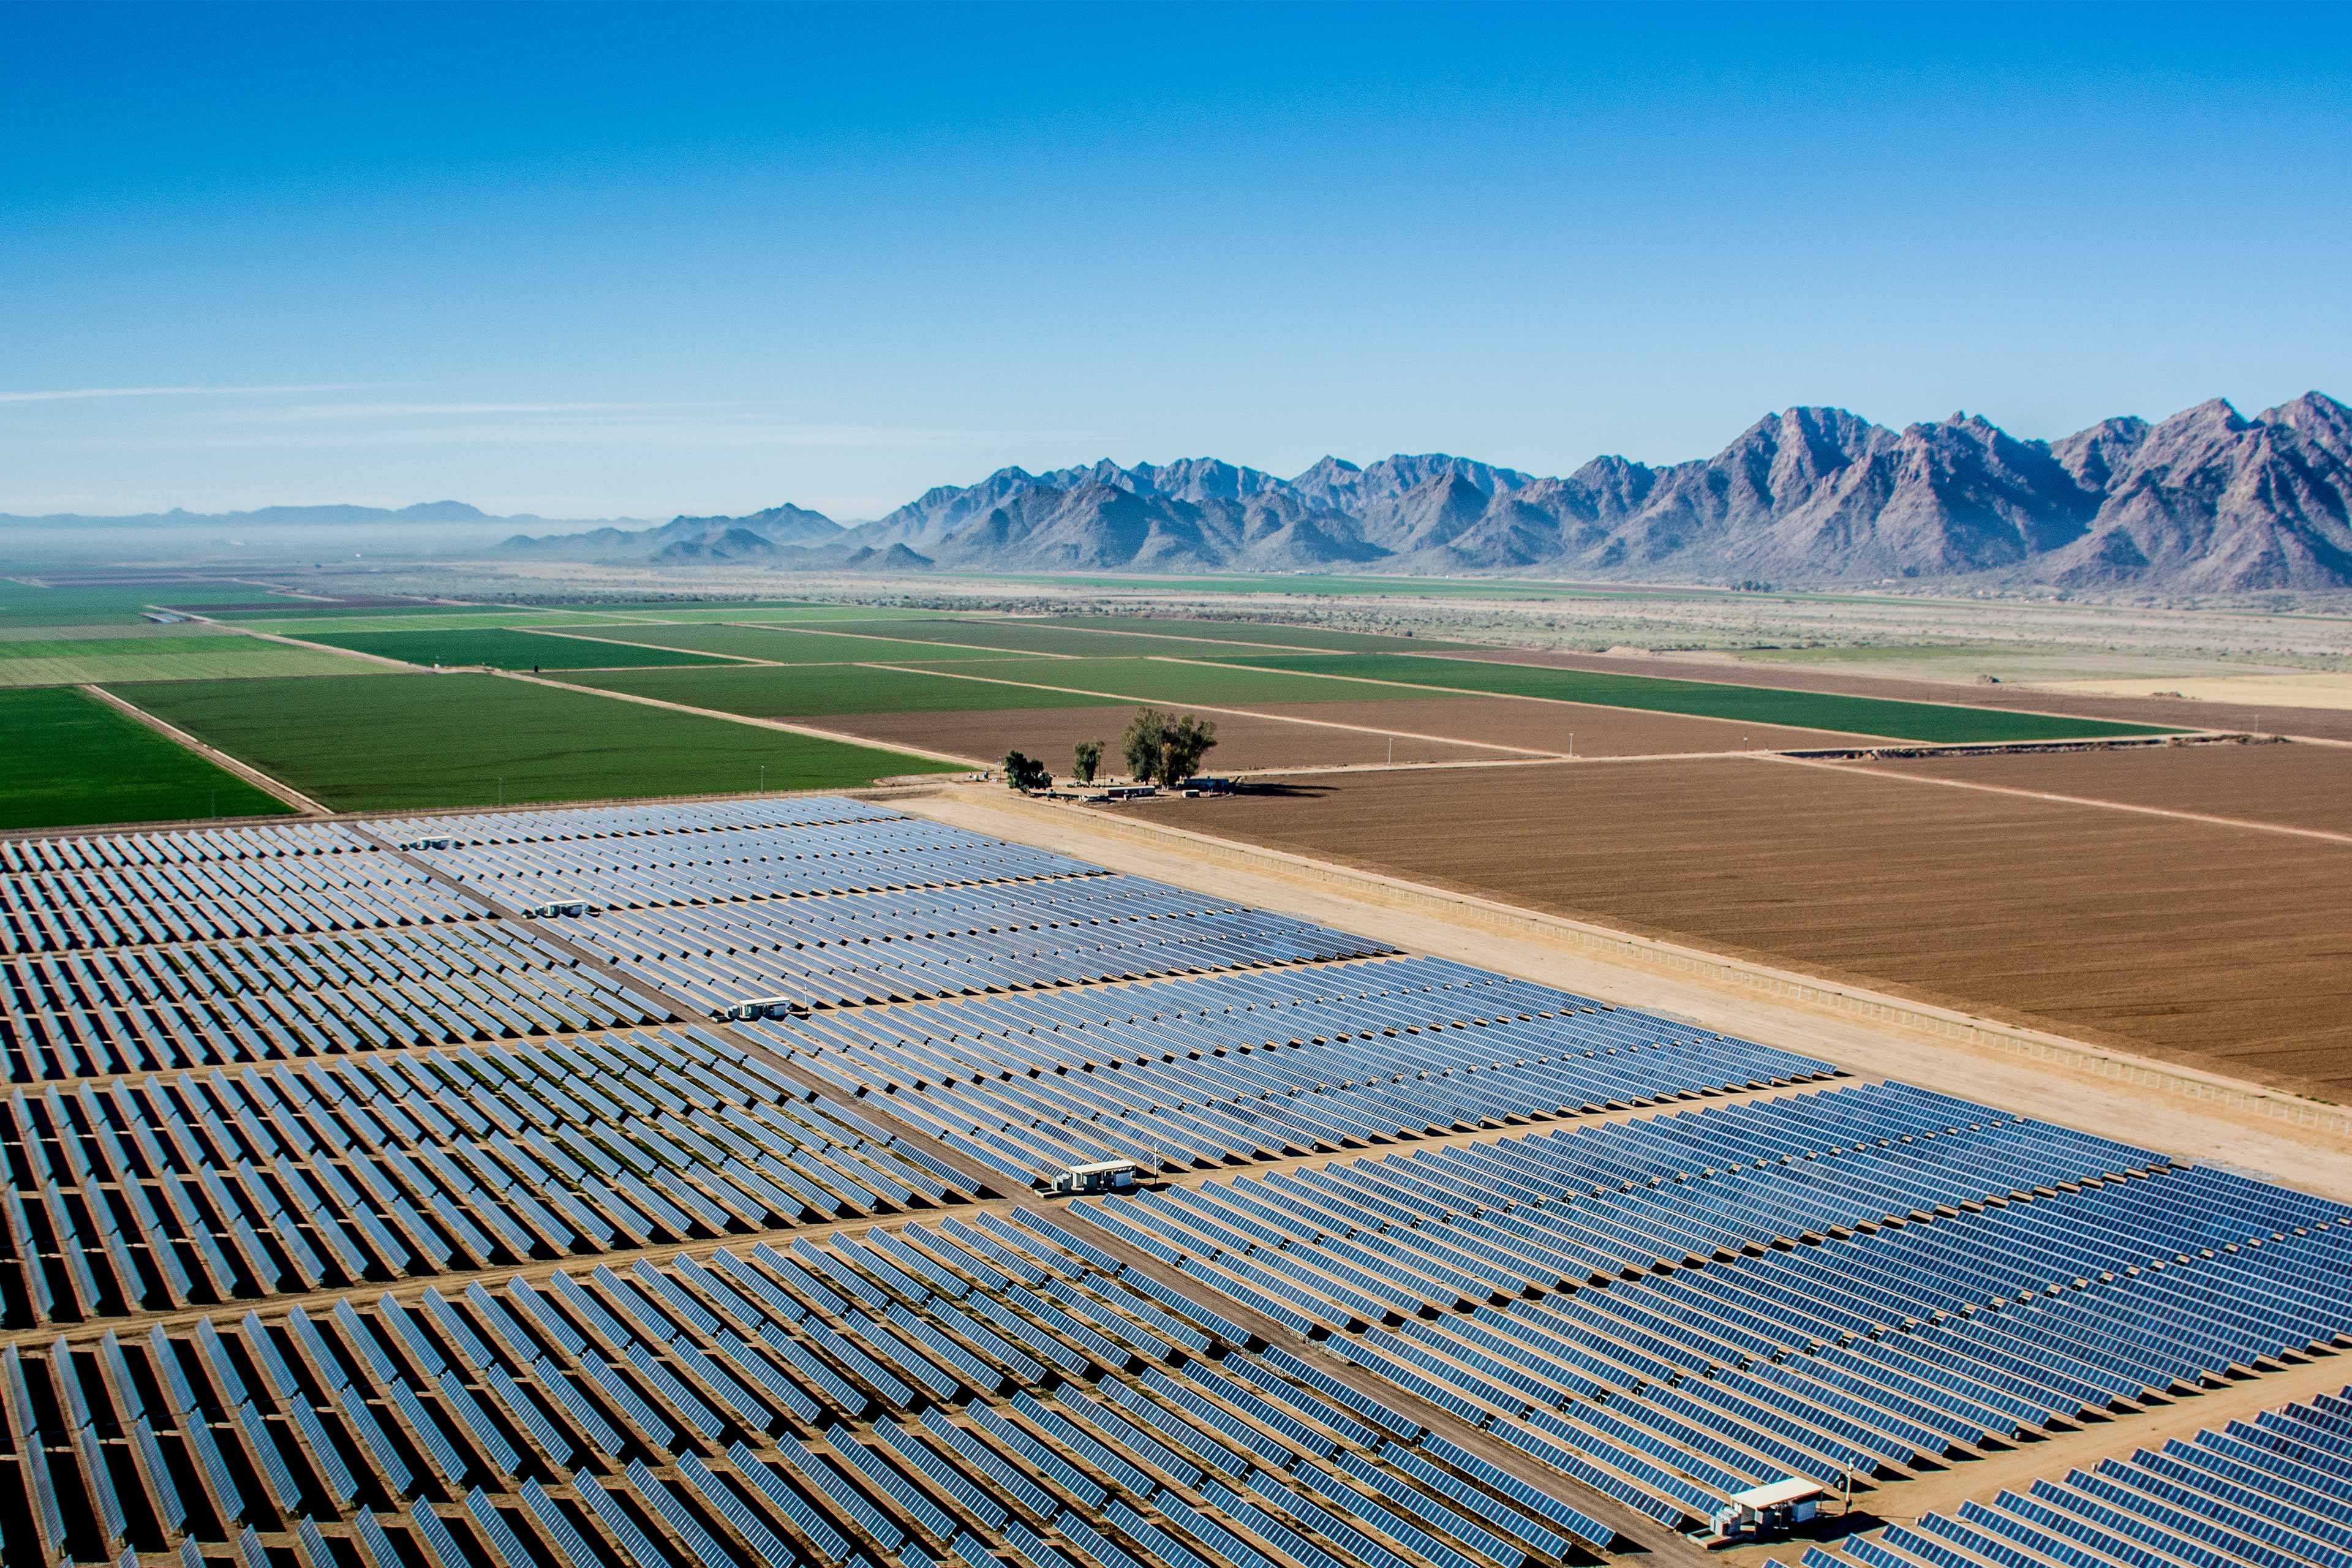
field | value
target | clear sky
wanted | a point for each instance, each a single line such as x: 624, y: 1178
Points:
x: 599, y: 260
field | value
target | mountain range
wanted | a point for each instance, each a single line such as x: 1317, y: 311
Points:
x: 2207, y: 500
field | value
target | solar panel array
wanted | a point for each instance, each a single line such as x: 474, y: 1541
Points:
x: 352, y: 1220
x: 2275, y: 1490
x: 1245, y: 1065
x: 1828, y: 1285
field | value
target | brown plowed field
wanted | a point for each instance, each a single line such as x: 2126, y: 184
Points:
x: 2325, y: 723
x: 2295, y: 786
x: 1050, y: 733
x: 2227, y: 948
x: 1547, y: 726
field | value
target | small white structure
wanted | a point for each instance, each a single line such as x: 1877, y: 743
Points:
x: 763, y: 1008
x: 1771, y: 1508
x: 561, y: 907
x: 1102, y: 1176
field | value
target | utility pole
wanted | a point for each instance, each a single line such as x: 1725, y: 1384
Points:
x: 764, y: 778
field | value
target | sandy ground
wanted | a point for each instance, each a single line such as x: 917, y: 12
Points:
x: 2230, y: 949
x: 1242, y: 743
x: 1595, y: 732
x: 2311, y: 690
x: 2325, y: 723
x: 2293, y: 786
x: 2225, y: 1129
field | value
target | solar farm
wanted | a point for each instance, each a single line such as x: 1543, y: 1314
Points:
x: 667, y: 1185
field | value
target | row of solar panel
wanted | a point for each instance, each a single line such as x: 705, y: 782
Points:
x: 875, y: 836
x: 53, y: 911
x: 982, y: 1387
x: 859, y: 972
x: 153, y: 1009
x: 924, y: 864
x: 1433, y: 1006
x: 980, y: 906
x: 2275, y: 1490
x: 560, y: 823
x: 176, y: 848
x: 209, y: 1187
x: 1287, y: 1101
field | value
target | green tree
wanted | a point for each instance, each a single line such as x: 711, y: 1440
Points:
x: 1164, y: 751
x: 1023, y: 772
x: 1140, y: 744
x: 1183, y: 746
x: 1087, y: 761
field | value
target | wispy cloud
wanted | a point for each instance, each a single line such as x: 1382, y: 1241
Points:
x: 75, y: 394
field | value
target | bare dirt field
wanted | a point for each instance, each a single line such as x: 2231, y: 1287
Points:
x: 1549, y: 726
x: 2229, y: 949
x: 2292, y: 785
x: 1242, y: 743
x: 2325, y: 723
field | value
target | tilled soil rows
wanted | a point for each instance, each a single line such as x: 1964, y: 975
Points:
x: 2226, y: 948
x: 2294, y: 786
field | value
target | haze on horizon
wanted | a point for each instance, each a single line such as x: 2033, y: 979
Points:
x: 602, y: 261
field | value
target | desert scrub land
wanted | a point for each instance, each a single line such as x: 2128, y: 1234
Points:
x: 72, y: 760
x: 395, y: 741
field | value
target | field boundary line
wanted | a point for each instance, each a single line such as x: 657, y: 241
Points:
x: 787, y: 726
x: 2176, y: 814
x: 1556, y: 701
x: 1656, y: 953
x: 1526, y: 752
x: 213, y: 754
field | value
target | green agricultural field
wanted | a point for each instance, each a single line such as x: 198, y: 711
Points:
x: 1301, y: 637
x: 412, y: 621
x: 817, y: 690
x: 68, y: 661
x: 23, y: 604
x: 1043, y: 636
x: 407, y: 742
x: 504, y: 650
x: 67, y: 760
x: 669, y: 606
x: 795, y: 645
x: 1868, y: 716
x: 1170, y: 681
x: 812, y: 614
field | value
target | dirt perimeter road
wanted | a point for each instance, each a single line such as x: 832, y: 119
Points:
x: 2181, y: 1111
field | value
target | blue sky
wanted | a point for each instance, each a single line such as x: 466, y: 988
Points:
x: 602, y: 260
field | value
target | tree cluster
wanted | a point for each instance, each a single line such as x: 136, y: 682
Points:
x: 1165, y: 750
x: 1023, y: 772
x: 1087, y: 761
